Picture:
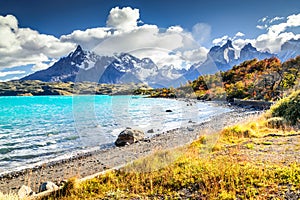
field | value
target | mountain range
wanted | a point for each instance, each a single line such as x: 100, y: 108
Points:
x: 81, y: 65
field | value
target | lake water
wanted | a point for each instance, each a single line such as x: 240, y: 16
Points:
x: 41, y: 128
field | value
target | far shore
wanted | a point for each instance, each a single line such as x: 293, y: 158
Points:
x: 86, y: 164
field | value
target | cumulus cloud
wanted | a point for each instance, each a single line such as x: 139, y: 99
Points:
x: 123, y: 18
x: 23, y: 46
x: 239, y: 34
x: 125, y: 32
x: 146, y: 36
x: 292, y: 21
x: 276, y: 35
x: 88, y: 38
x: 221, y: 41
x: 196, y: 55
x: 175, y: 29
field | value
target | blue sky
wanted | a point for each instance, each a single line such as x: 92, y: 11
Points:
x: 36, y: 33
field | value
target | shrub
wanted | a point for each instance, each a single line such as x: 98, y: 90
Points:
x: 288, y: 108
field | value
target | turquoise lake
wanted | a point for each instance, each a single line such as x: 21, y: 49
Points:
x: 38, y: 129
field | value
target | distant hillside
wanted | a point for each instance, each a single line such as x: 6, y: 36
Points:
x: 266, y: 79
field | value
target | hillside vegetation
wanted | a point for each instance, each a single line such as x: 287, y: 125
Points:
x: 267, y: 79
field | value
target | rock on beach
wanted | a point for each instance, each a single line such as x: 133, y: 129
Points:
x: 129, y: 136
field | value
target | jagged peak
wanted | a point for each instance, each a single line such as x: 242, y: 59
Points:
x: 228, y: 44
x: 248, y: 46
x: 78, y: 51
x: 78, y: 48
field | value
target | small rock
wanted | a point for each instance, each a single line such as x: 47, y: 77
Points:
x: 190, y: 129
x: 24, y: 192
x: 129, y: 136
x: 147, y: 140
x: 190, y: 121
x: 169, y: 111
x: 48, y: 186
x: 150, y: 131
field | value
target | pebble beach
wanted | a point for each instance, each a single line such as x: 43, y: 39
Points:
x: 86, y: 164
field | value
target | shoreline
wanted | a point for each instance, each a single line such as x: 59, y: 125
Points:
x: 85, y: 164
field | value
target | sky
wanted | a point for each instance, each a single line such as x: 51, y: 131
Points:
x: 35, y: 34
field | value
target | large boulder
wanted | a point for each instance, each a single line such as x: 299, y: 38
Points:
x: 129, y: 136
x: 25, y: 191
x: 48, y: 186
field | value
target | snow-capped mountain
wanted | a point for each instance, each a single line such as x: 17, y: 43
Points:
x: 289, y: 49
x: 248, y: 52
x: 222, y: 58
x: 69, y: 68
x: 82, y: 65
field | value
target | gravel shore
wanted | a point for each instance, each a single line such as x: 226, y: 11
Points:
x: 86, y: 164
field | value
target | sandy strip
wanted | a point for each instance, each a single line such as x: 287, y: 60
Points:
x: 89, y: 163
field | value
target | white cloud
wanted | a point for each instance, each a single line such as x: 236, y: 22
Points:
x: 175, y: 29
x: 88, y: 38
x: 10, y: 79
x: 276, y: 34
x: 262, y: 27
x: 240, y: 43
x: 201, y: 32
x: 147, y: 37
x: 196, y: 55
x: 125, y: 32
x: 2, y: 74
x: 125, y: 18
x: 264, y: 19
x: 23, y: 46
x: 276, y: 19
x: 221, y: 41
x: 239, y: 34
x: 42, y: 65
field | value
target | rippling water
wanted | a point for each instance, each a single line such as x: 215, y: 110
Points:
x: 36, y: 129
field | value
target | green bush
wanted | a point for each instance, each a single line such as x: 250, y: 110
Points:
x: 288, y: 108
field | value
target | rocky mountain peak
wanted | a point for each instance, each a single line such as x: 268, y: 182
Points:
x: 77, y: 53
x: 228, y: 44
x: 248, y: 47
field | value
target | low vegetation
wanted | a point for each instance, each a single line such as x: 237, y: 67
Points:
x: 234, y: 167
x: 37, y: 88
x: 288, y: 109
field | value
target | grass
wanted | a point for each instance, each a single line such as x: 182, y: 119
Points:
x: 198, y: 171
